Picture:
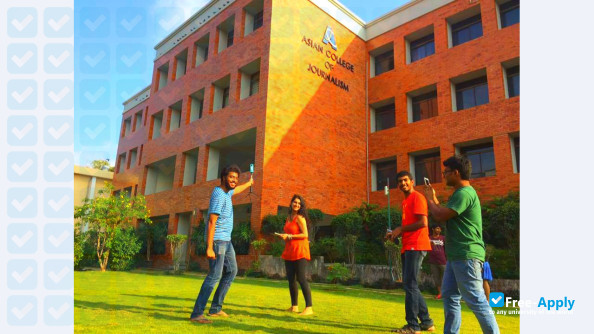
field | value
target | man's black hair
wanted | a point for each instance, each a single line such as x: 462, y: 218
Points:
x: 461, y: 164
x: 404, y: 173
x: 229, y: 169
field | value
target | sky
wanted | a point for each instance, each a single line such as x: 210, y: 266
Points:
x: 114, y: 47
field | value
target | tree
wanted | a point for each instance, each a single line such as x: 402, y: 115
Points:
x: 175, y: 242
x: 107, y: 215
x: 102, y: 164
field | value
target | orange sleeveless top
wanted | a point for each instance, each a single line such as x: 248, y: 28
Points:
x: 295, y: 249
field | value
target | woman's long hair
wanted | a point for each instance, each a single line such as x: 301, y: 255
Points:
x: 302, y: 210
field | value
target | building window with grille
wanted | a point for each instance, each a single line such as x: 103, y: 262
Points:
x: 472, y: 93
x: 230, y: 37
x: 258, y: 20
x: 385, y: 117
x: 509, y: 13
x: 482, y: 159
x: 424, y: 106
x: 467, y: 30
x: 384, y: 62
x: 421, y: 48
x: 225, y: 97
x: 385, y: 170
x: 427, y: 166
x: 255, y: 83
x: 513, y: 81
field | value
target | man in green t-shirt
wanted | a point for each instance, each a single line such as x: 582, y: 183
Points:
x: 464, y: 247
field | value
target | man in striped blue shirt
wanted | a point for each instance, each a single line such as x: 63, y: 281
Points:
x: 221, y: 255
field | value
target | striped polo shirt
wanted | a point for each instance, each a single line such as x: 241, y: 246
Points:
x: 221, y: 205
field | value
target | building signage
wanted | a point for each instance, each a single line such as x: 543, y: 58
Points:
x: 332, y: 59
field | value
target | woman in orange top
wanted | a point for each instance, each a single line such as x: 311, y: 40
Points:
x: 296, y: 253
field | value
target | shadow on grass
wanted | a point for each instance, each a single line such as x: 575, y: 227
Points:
x: 132, y: 309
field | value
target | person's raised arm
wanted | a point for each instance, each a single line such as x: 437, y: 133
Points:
x: 440, y: 214
x: 212, y: 223
x: 240, y: 188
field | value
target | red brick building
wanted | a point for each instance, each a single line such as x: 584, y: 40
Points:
x: 323, y: 104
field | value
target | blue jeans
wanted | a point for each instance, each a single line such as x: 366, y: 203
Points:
x: 223, y: 268
x: 414, y: 303
x: 463, y: 279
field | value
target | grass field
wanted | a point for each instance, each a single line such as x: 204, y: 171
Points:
x: 153, y: 302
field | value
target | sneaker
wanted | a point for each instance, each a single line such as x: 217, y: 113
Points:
x: 430, y: 328
x: 438, y: 296
x: 406, y: 330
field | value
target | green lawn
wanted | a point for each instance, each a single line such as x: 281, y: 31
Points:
x: 146, y: 301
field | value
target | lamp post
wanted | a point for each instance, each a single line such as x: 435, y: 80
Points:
x: 387, y: 193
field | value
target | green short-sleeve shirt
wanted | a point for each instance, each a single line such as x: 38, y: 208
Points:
x: 464, y: 237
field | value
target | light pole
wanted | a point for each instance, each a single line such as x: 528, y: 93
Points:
x: 387, y: 193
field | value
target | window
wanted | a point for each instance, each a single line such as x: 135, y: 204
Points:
x: 162, y: 76
x: 258, y: 20
x: 190, y: 167
x: 482, y: 159
x: 121, y: 162
x: 427, y: 166
x: 137, y: 120
x: 515, y: 141
x: 230, y: 37
x: 221, y: 93
x: 159, y: 176
x: 225, y: 97
x: 181, y: 61
x: 250, y: 79
x: 226, y: 31
x: 385, y: 170
x: 472, y: 93
x: 421, y: 48
x: 201, y: 53
x: 175, y: 115
x: 127, y: 127
x: 385, y: 117
x: 196, y: 105
x: 467, y: 30
x: 513, y: 81
x: 239, y: 149
x: 384, y: 62
x: 509, y: 13
x: 254, y: 83
x: 424, y: 106
x: 157, y: 122
x: 133, y: 154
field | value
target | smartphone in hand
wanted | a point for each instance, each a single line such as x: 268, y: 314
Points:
x: 427, y: 183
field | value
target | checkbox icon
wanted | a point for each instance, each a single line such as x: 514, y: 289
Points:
x: 58, y: 58
x: 21, y: 166
x: 58, y: 203
x: 131, y: 22
x: 21, y: 310
x: 22, y: 94
x: 59, y: 310
x: 58, y: 94
x: 94, y: 58
x: 126, y: 88
x: 58, y: 275
x: 131, y: 58
x: 22, y: 58
x: 59, y: 22
x: 496, y: 299
x: 94, y: 22
x: 58, y: 238
x: 58, y: 166
x: 21, y: 130
x: 21, y: 274
x: 94, y: 130
x: 21, y: 238
x: 58, y: 130
x: 21, y: 202
x: 168, y: 18
x: 22, y: 22
x: 94, y: 94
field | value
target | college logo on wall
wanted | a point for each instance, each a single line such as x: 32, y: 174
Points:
x: 329, y: 38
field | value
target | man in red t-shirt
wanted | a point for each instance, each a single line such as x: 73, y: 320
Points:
x: 415, y: 245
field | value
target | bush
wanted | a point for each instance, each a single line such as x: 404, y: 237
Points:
x: 369, y: 253
x: 378, y: 223
x: 503, y: 264
x: 152, y: 238
x: 79, y: 248
x: 273, y: 223
x: 338, y: 273
x: 198, y: 239
x: 501, y: 228
x: 276, y: 248
x: 124, y: 248
x: 316, y: 216
x: 347, y: 223
x: 326, y: 247
x: 241, y: 237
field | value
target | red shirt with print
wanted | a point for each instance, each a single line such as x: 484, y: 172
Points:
x: 413, y: 206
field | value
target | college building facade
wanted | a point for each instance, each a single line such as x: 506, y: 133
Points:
x: 324, y: 105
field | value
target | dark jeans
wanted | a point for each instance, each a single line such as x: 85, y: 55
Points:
x: 296, y: 272
x: 414, y: 303
x: 223, y: 268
